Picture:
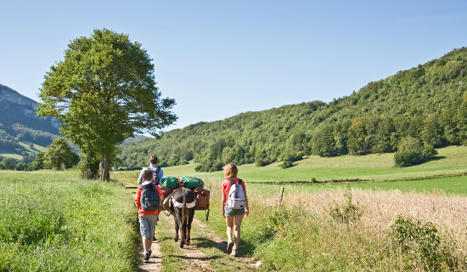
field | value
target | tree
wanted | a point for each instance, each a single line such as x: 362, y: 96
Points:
x: 59, y: 155
x: 412, y: 152
x: 38, y: 162
x: 104, y: 91
x: 8, y: 164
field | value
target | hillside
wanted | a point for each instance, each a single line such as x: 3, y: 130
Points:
x: 22, y: 133
x: 428, y: 102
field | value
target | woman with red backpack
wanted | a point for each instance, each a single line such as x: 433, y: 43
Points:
x: 234, y: 206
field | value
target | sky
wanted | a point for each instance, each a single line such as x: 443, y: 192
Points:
x: 220, y: 58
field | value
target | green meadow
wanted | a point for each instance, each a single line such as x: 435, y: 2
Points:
x: 55, y: 221
x: 446, y: 173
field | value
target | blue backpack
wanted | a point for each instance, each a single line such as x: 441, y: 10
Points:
x: 150, y: 200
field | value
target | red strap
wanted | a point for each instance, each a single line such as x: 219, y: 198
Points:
x: 179, y: 183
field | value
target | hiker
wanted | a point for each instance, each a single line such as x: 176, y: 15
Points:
x: 234, y: 206
x: 148, y: 203
x: 156, y: 170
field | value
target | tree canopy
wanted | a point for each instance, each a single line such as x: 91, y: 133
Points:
x: 104, y: 91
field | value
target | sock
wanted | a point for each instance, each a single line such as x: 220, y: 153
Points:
x: 229, y: 236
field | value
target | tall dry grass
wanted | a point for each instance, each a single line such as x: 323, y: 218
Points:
x: 381, y: 208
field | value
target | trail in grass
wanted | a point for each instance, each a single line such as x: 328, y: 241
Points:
x: 205, y: 253
x: 155, y: 262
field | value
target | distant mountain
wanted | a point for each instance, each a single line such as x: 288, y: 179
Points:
x: 428, y: 102
x: 22, y: 132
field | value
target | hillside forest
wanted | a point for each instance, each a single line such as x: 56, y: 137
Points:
x: 427, y: 103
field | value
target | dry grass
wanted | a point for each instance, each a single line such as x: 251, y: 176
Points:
x: 381, y: 208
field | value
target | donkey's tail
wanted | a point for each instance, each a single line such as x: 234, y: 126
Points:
x: 184, y: 206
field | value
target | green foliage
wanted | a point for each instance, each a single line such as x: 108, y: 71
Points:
x: 103, y: 92
x: 347, y: 213
x: 39, y: 162
x: 412, y: 152
x: 427, y: 102
x: 59, y: 155
x: 422, y: 242
x: 8, y: 164
x: 286, y: 164
x: 272, y: 224
x: 89, y: 167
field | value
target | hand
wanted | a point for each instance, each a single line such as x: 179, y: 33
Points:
x: 247, y: 212
x: 223, y: 214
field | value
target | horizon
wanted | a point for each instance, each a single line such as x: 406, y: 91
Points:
x: 248, y: 56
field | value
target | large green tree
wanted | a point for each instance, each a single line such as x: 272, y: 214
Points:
x: 104, y: 91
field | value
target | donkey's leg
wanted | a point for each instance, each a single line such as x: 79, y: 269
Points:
x: 183, y: 230
x: 176, y: 216
x: 191, y: 214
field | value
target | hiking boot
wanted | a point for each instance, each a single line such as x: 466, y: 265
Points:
x: 147, y: 255
x: 234, y: 252
x: 229, y: 247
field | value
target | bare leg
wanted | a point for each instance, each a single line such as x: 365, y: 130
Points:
x: 147, y: 243
x: 238, y: 222
x: 229, y: 222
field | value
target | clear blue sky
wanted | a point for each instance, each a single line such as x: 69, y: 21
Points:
x: 220, y: 58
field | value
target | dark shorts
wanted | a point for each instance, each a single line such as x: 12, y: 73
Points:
x: 232, y: 212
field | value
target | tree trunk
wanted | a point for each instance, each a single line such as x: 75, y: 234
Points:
x: 104, y: 167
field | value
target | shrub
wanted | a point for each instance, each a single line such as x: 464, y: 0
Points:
x: 273, y: 223
x: 422, y: 243
x: 89, y: 166
x: 412, y: 152
x: 286, y: 164
x: 347, y: 213
x: 263, y: 162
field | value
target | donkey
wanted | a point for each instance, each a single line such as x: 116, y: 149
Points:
x: 182, y: 204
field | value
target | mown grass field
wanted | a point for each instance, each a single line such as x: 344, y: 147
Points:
x: 54, y: 221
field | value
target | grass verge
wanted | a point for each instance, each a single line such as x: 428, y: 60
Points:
x: 57, y: 222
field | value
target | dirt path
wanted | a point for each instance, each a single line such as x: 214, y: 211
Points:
x: 155, y: 262
x: 221, y: 244
x: 194, y: 259
x: 203, y: 239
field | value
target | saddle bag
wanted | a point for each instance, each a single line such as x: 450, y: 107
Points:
x: 202, y: 198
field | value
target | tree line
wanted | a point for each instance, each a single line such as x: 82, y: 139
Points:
x: 427, y: 103
x: 58, y: 156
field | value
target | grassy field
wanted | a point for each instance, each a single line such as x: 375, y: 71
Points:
x: 54, y: 221
x: 375, y: 167
x: 302, y: 235
x: 427, y: 177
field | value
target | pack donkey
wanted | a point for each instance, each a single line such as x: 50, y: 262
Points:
x: 182, y: 204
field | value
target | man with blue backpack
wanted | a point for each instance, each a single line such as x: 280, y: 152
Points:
x: 157, y: 172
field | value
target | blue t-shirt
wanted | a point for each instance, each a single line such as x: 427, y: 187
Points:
x: 153, y: 168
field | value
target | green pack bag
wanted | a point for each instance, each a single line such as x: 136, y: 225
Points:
x: 191, y: 182
x: 169, y: 182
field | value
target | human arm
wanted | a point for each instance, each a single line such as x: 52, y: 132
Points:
x: 138, y: 198
x: 247, y: 209
x: 223, y: 199
x: 140, y: 177
x: 160, y: 175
